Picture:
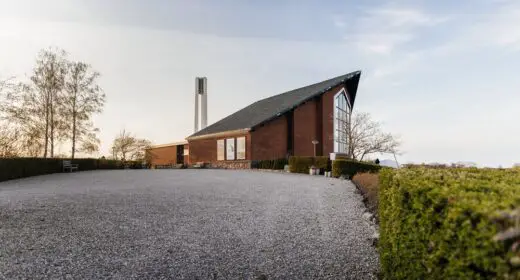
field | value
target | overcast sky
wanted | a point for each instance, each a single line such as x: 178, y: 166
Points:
x: 443, y: 75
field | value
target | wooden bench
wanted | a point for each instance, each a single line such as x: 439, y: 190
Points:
x: 67, y: 164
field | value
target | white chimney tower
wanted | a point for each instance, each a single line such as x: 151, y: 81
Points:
x: 201, y: 91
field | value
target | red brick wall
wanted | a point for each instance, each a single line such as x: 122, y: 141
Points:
x: 205, y: 150
x: 163, y: 156
x: 270, y: 140
x: 328, y: 121
x: 305, y: 119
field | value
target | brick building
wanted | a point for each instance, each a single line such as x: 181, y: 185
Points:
x: 303, y: 122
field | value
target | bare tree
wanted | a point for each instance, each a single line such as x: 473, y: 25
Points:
x: 9, y: 144
x: 363, y: 137
x: 128, y: 147
x: 81, y: 99
x: 21, y: 120
x: 48, y: 81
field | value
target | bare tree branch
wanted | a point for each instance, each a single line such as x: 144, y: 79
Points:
x: 128, y: 147
x: 364, y: 137
x: 81, y: 99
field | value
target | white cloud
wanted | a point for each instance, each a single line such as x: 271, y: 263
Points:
x: 404, y: 17
x: 497, y: 28
x: 382, y: 30
x: 338, y: 21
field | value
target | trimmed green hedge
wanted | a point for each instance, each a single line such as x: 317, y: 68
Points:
x: 303, y: 164
x: 349, y: 168
x: 14, y: 168
x: 276, y: 164
x: 437, y: 223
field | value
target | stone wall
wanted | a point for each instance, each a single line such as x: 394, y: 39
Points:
x: 236, y: 164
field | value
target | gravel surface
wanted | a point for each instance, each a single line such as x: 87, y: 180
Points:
x: 183, y: 224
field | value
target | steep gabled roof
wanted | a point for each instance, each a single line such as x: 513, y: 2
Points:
x: 274, y: 106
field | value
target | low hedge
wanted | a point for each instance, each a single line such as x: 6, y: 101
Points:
x: 438, y: 223
x: 303, y: 164
x: 349, y: 168
x: 14, y: 168
x: 276, y: 164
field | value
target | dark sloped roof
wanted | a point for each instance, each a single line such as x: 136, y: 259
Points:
x: 271, y: 107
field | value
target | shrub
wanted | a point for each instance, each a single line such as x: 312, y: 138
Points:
x: 368, y: 184
x: 349, y: 168
x: 437, y: 223
x: 303, y: 164
x: 322, y: 163
x: 14, y: 168
x: 277, y: 164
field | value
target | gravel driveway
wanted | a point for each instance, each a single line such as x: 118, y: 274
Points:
x: 183, y: 224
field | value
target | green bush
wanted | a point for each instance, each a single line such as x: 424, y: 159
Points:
x: 14, y: 168
x: 437, y: 223
x: 303, y: 164
x: 109, y: 164
x: 322, y: 163
x: 349, y: 168
x: 300, y: 164
x: 277, y: 164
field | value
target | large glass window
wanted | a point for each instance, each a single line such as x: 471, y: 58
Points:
x: 230, y: 149
x: 220, y: 149
x: 241, y: 148
x: 341, y: 115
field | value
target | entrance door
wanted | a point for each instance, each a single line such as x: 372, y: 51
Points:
x: 180, y: 154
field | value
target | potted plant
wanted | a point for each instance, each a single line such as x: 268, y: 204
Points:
x: 314, y: 170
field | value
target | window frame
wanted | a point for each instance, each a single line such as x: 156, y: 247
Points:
x: 237, y: 148
x: 231, y: 141
x: 342, y: 109
x: 223, y: 141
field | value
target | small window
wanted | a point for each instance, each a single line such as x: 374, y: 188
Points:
x: 230, y: 149
x: 220, y: 149
x: 241, y: 148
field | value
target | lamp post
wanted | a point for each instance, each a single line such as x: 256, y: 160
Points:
x: 315, y: 142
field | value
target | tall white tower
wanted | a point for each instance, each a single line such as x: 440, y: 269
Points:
x: 201, y: 91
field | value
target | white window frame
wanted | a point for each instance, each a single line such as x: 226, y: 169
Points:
x: 241, y: 150
x: 341, y: 115
x: 230, y: 149
x: 221, y: 143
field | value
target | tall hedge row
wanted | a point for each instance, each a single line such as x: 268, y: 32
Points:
x: 303, y: 164
x: 349, y: 168
x: 276, y: 164
x: 437, y: 223
x: 14, y: 168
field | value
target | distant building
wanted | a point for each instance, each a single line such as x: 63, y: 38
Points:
x: 300, y: 122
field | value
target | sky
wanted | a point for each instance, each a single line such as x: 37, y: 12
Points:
x: 441, y: 75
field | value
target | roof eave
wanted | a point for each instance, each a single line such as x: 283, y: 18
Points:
x: 219, y: 134
x: 168, y: 145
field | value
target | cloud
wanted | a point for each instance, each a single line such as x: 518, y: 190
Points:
x: 339, y: 21
x: 403, y: 17
x: 382, y: 30
x: 495, y: 29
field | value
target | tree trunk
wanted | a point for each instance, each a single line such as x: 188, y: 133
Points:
x: 74, y: 113
x: 73, y: 134
x: 46, y: 126
x: 52, y: 125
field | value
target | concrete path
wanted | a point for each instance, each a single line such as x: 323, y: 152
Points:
x: 183, y: 224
